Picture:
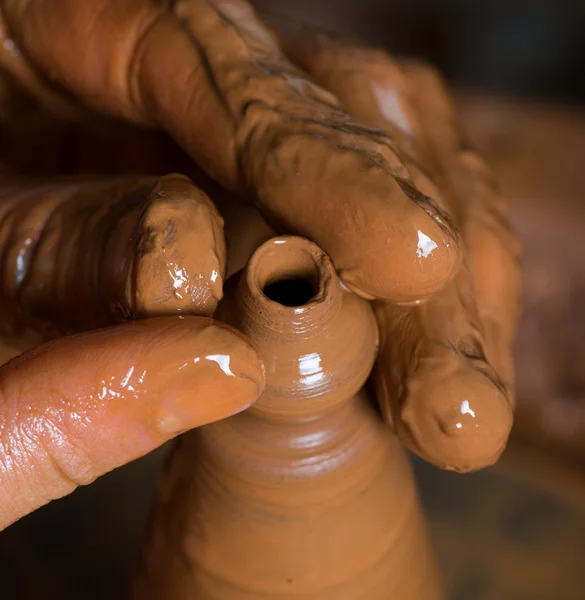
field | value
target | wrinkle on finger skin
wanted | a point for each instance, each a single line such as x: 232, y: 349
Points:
x: 18, y: 75
x: 212, y: 75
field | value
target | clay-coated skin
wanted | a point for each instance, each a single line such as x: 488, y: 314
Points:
x: 435, y: 386
x: 306, y: 494
x: 83, y: 253
x: 252, y: 120
x: 149, y: 379
x: 444, y: 376
x: 492, y: 249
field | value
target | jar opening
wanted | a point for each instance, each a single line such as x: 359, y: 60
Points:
x: 288, y: 271
x: 292, y: 291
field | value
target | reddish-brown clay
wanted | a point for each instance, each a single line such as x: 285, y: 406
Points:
x: 305, y: 495
x: 444, y: 376
x: 210, y: 73
x: 79, y: 254
x: 434, y: 385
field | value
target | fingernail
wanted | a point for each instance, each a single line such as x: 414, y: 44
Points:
x: 223, y: 378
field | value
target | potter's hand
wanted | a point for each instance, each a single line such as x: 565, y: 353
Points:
x: 380, y: 197
x: 211, y: 74
x: 79, y: 254
x: 445, y: 371
x: 73, y: 409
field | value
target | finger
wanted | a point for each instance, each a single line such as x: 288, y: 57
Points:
x: 212, y: 75
x: 492, y: 249
x: 75, y: 408
x: 22, y: 89
x: 77, y: 254
x: 374, y: 89
x: 410, y: 100
x: 434, y: 383
x: 380, y: 96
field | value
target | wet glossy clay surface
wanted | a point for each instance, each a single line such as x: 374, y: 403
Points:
x: 444, y: 377
x: 150, y: 379
x: 306, y: 494
x: 254, y: 122
x: 83, y: 253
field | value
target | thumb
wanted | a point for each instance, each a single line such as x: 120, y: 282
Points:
x: 73, y: 409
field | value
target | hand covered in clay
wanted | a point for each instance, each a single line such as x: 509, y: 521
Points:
x: 213, y: 76
x: 84, y: 254
x: 444, y: 377
x: 362, y: 155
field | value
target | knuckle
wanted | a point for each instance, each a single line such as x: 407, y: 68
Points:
x: 36, y: 452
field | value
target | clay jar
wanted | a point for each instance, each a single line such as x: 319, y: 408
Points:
x: 306, y: 494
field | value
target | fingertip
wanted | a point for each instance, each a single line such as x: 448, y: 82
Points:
x: 77, y: 407
x: 458, y: 418
x: 180, y: 251
x: 219, y: 375
x: 407, y: 262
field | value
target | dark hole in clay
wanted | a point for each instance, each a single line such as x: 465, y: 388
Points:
x: 290, y: 292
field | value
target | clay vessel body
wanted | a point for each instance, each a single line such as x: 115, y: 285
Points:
x: 307, y: 494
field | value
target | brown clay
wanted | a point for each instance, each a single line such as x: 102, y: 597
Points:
x: 255, y: 123
x: 149, y: 379
x: 78, y: 254
x: 435, y: 386
x: 306, y: 494
x: 435, y: 383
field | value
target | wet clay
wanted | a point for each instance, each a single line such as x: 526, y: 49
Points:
x: 255, y: 123
x: 115, y: 394
x: 435, y: 387
x: 444, y: 376
x: 306, y: 494
x: 492, y: 248
x: 79, y: 254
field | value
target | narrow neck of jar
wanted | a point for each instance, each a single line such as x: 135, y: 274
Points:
x: 288, y: 289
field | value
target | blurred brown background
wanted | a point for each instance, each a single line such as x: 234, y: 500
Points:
x: 534, y: 48
x: 515, y: 532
